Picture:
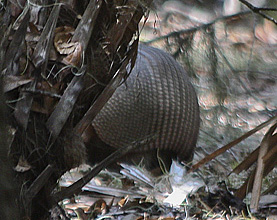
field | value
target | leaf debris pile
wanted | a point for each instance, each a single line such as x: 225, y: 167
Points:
x: 60, y: 62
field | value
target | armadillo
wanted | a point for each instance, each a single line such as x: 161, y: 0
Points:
x: 157, y: 98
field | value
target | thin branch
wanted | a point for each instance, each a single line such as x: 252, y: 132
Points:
x: 76, y: 187
x: 38, y: 183
x: 231, y: 144
x: 194, y: 29
x: 268, y: 9
x: 259, y: 11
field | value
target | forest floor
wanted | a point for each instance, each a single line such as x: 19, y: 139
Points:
x: 244, y: 99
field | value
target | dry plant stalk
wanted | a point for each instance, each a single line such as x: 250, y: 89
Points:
x: 257, y: 186
x: 232, y: 144
x: 58, y: 57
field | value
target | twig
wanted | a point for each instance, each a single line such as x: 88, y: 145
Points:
x: 65, y: 106
x: 259, y: 10
x: 106, y: 93
x: 76, y: 187
x: 231, y: 144
x: 41, y: 92
x: 257, y: 186
x: 38, y: 183
x: 194, y: 29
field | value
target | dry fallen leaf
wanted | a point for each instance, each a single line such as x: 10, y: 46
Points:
x: 62, y: 40
x: 99, y: 207
x: 75, y: 57
x: 266, y: 33
x: 12, y: 82
x: 65, y: 46
x: 22, y: 165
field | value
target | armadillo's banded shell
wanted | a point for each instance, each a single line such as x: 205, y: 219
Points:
x: 156, y: 98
